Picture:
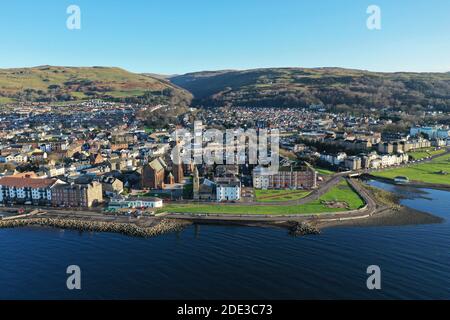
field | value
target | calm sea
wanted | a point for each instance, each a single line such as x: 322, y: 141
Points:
x: 226, y: 262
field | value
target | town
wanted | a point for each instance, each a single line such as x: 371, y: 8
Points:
x: 101, y: 155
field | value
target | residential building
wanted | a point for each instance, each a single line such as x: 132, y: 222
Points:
x: 77, y: 195
x: 431, y: 132
x: 334, y: 159
x: 385, y: 147
x: 289, y: 177
x: 111, y: 185
x: 353, y: 163
x: 393, y: 160
x: 228, y: 190
x: 16, y: 157
x: 26, y: 190
x: 55, y: 171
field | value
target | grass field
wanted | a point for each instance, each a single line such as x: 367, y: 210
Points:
x: 429, y: 172
x: 341, y: 192
x: 4, y: 100
x: 279, y: 195
x: 124, y: 94
x: 323, y: 171
x: 424, y: 153
x: 288, y: 154
x: 76, y: 81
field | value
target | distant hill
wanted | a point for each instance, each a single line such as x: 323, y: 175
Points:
x: 299, y: 87
x: 52, y: 84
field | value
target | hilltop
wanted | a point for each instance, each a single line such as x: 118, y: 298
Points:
x: 300, y: 87
x: 53, y: 84
x: 343, y: 89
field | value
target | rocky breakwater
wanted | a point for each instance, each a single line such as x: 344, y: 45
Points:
x: 163, y: 226
x: 302, y: 228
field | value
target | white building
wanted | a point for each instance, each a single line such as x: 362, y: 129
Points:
x: 228, y: 191
x: 432, y: 132
x: 334, y: 159
x: 17, y: 157
x: 393, y: 160
x: 25, y: 190
x: 147, y: 202
x: 260, y: 178
x: 140, y: 202
x: 55, y: 171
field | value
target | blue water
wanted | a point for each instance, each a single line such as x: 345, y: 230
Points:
x: 225, y: 262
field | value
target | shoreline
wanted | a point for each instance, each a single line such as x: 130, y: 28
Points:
x: 382, y: 209
x: 413, y: 184
x: 404, y: 216
x: 400, y: 216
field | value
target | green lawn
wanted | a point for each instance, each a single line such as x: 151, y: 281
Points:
x: 344, y: 193
x: 288, y: 154
x: 424, y: 153
x: 4, y: 100
x: 119, y: 83
x: 324, y: 172
x: 341, y: 192
x: 423, y: 172
x: 279, y: 195
x: 79, y: 95
x: 124, y: 94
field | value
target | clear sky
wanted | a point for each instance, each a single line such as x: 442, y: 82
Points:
x: 178, y: 36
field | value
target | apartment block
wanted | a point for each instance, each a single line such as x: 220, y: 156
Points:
x: 77, y: 195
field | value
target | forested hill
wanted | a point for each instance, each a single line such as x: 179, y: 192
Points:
x: 299, y: 87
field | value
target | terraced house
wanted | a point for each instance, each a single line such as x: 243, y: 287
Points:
x: 26, y: 190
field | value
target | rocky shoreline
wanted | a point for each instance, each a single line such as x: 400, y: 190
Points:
x: 302, y: 228
x: 402, y: 216
x: 389, y: 212
x: 129, y: 229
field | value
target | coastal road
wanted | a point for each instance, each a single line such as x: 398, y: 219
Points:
x: 369, y: 209
x: 371, y: 205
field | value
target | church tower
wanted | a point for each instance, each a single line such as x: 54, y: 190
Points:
x: 177, y: 166
x: 196, y: 184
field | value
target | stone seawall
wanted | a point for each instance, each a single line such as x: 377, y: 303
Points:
x: 163, y: 226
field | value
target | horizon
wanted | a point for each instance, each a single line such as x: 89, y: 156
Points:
x: 178, y: 38
x: 219, y: 70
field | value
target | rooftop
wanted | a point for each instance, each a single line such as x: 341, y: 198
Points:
x: 21, y: 182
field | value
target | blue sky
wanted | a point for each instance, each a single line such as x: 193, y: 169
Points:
x: 178, y: 36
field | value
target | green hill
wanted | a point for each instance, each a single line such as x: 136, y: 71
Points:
x: 299, y: 87
x: 51, y: 84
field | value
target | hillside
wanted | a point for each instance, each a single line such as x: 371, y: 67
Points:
x: 298, y: 87
x: 51, y: 84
